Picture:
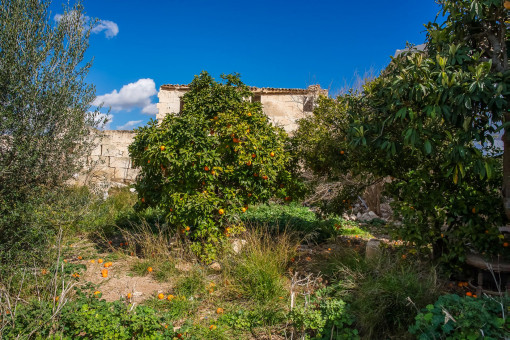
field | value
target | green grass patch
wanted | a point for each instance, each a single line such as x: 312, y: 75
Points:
x: 296, y: 218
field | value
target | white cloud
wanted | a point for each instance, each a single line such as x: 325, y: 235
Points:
x: 110, y: 28
x: 129, y: 125
x: 151, y: 109
x: 130, y: 96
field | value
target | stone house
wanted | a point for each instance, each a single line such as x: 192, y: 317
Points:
x: 109, y: 164
x: 283, y: 106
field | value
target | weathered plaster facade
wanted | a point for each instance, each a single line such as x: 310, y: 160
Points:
x: 283, y: 106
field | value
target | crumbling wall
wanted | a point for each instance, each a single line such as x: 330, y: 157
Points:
x: 108, y: 164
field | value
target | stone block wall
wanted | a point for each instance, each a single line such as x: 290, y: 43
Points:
x: 108, y: 164
x: 283, y: 106
x: 284, y: 109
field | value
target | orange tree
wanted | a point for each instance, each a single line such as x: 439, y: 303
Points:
x: 206, y: 165
x: 429, y: 121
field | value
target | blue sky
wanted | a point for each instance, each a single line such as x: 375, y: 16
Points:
x: 141, y: 45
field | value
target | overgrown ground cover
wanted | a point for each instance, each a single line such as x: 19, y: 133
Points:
x: 290, y: 275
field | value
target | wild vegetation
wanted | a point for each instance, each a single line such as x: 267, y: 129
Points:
x: 212, y: 242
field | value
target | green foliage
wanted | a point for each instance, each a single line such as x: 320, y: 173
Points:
x: 428, y: 123
x: 191, y: 284
x: 322, y: 145
x: 384, y: 293
x: 324, y: 316
x: 177, y: 308
x: 296, y: 218
x: 204, y: 166
x: 88, y: 316
x: 44, y: 117
x: 455, y: 317
x: 193, y: 331
x: 242, y: 319
x: 257, y: 271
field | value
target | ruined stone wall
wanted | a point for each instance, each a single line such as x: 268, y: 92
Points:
x: 284, y: 109
x: 108, y: 165
x: 283, y: 106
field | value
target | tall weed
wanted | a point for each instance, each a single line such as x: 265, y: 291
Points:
x: 258, y: 270
x: 385, y: 293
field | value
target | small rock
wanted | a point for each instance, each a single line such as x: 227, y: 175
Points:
x: 215, y: 266
x: 132, y: 190
x: 373, y: 249
x: 368, y: 216
x: 237, y: 245
x: 183, y: 266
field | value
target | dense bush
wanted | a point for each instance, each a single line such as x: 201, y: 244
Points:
x: 455, y: 317
x: 384, y: 293
x: 207, y: 165
x: 427, y: 122
x: 88, y: 317
x: 324, y: 316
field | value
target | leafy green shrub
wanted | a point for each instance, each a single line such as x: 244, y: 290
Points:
x: 324, y: 317
x: 90, y: 317
x: 428, y: 122
x: 242, y: 319
x: 208, y: 164
x: 455, y: 317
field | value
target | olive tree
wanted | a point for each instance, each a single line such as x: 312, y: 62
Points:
x: 44, y: 99
x: 45, y: 121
